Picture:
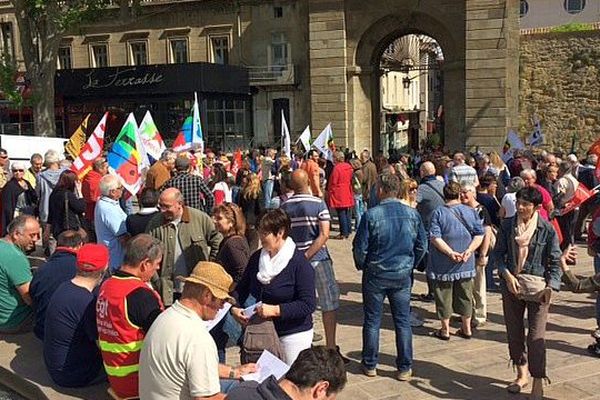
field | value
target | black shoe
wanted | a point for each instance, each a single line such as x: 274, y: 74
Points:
x: 428, y: 298
x: 594, y: 349
x: 317, y: 337
x: 345, y: 359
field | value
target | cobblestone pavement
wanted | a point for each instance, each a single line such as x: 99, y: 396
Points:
x: 466, y: 369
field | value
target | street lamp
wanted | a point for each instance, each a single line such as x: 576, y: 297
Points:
x: 406, y: 82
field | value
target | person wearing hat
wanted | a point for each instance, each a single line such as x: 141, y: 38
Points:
x: 18, y: 196
x: 183, y: 362
x: 71, y: 354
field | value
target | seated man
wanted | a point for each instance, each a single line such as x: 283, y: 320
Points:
x: 71, y: 354
x: 317, y: 374
x: 60, y: 267
x: 16, y: 315
x: 179, y: 358
x: 127, y: 306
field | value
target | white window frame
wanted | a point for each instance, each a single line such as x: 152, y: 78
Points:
x: 58, y: 58
x: 130, y: 55
x: 93, y: 63
x: 211, y: 40
x: 570, y: 10
x: 171, y: 53
x: 278, y: 43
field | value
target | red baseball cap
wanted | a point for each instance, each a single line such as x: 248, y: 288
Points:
x: 92, y: 257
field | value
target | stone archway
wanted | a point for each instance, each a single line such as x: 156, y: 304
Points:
x: 364, y: 79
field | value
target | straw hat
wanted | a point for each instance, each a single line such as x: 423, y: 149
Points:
x: 214, y: 277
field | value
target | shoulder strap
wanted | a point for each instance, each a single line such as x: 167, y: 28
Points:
x: 435, y: 190
x: 460, y: 218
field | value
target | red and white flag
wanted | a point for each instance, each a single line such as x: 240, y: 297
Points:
x: 582, y: 194
x: 91, y: 150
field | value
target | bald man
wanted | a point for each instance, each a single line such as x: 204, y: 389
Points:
x: 188, y: 235
x: 310, y: 231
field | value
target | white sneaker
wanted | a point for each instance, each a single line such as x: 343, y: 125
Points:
x: 415, y: 320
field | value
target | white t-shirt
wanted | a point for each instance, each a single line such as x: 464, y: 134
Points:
x: 509, y: 203
x: 179, y: 358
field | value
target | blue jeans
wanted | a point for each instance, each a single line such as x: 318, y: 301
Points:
x: 345, y: 221
x: 359, y: 209
x: 268, y: 192
x: 597, y: 270
x: 398, y: 292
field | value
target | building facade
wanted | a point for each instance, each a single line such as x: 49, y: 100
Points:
x: 314, y: 61
x: 545, y: 13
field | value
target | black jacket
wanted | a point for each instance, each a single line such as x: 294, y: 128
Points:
x: 268, y: 390
x: 56, y: 211
x: 11, y: 191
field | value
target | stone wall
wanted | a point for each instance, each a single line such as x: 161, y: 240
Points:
x: 559, y: 83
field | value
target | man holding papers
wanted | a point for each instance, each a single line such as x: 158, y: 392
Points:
x: 179, y: 357
x: 317, y: 374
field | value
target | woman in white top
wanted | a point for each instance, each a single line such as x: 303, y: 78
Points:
x: 508, y: 207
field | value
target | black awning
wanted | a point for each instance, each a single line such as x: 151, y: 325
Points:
x: 152, y: 80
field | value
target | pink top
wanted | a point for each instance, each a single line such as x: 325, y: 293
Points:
x: 546, y: 201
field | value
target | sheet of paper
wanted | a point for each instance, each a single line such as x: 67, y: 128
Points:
x: 220, y: 315
x: 267, y: 365
x: 250, y: 311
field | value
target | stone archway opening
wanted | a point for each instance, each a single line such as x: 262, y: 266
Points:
x: 411, y: 94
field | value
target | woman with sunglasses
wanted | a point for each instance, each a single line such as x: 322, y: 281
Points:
x: 18, y: 196
x: 233, y: 255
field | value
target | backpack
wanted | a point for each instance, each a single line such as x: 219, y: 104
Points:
x: 260, y: 335
x: 593, y: 241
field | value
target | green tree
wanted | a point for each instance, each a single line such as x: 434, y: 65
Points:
x: 9, y: 71
x: 42, y: 24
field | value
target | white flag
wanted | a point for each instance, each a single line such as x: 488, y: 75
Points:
x: 151, y: 139
x: 513, y: 142
x: 285, y: 136
x: 537, y: 137
x: 321, y: 143
x: 305, y: 138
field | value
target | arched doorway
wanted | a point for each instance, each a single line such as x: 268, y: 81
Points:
x: 411, y: 94
x: 365, y: 84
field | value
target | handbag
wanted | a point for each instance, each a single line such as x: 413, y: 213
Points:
x: 260, y: 335
x: 533, y: 288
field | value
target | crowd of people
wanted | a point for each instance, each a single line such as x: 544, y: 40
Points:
x: 131, y: 290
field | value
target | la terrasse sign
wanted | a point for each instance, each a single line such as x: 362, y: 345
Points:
x: 129, y: 77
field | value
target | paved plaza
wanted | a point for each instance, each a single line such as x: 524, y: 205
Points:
x: 459, y: 369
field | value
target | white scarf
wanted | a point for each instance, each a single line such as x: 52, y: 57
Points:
x: 269, y: 268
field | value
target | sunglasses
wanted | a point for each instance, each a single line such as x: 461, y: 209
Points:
x: 4, y: 156
x: 18, y: 170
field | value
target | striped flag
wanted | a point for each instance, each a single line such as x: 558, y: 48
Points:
x: 190, y: 135
x: 91, y: 150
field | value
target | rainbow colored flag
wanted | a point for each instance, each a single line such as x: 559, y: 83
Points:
x: 127, y: 158
x: 190, y: 135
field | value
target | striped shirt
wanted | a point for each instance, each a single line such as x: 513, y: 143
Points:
x: 306, y: 213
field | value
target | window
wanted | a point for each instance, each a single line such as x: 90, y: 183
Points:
x: 138, y: 53
x: 7, y: 39
x: 574, y: 6
x: 279, y: 49
x: 524, y: 8
x: 178, y: 51
x: 64, y: 57
x: 278, y: 12
x: 99, y: 55
x: 220, y: 49
x: 228, y: 120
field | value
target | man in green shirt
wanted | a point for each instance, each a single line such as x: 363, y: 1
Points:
x: 16, y: 315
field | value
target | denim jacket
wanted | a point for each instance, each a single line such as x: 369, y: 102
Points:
x: 390, y: 240
x: 544, y: 254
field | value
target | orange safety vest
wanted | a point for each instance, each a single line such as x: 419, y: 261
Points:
x: 120, y: 339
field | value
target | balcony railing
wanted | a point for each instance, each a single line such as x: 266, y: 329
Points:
x: 268, y: 75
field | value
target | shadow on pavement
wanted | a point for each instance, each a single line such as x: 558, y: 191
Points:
x: 28, y: 363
